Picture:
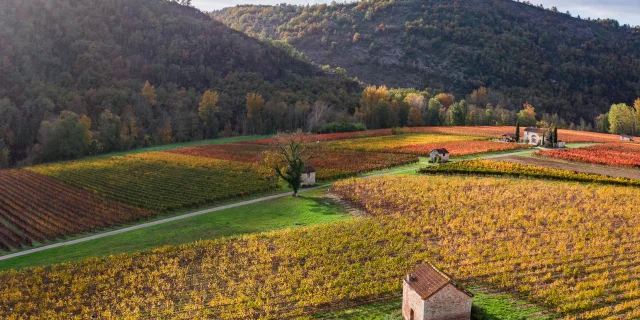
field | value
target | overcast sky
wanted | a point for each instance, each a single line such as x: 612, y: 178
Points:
x: 625, y: 11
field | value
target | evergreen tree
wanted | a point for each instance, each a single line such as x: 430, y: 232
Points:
x: 517, y: 130
x: 555, y: 135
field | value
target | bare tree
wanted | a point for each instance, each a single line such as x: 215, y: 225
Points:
x: 291, y: 153
x: 319, y: 115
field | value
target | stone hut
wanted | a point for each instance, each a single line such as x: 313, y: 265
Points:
x: 429, y: 294
x: 442, y: 153
x: 308, y: 176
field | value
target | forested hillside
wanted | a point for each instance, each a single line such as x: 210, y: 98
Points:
x: 520, y: 52
x: 80, y: 76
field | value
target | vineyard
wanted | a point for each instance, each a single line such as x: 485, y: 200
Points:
x: 501, y: 168
x: 461, y: 148
x: 330, y: 164
x: 141, y: 185
x: 422, y: 144
x: 578, y: 256
x: 159, y: 180
x: 571, y: 136
x: 331, y: 136
x: 242, y: 152
x: 392, y: 143
x: 614, y: 154
x: 35, y: 208
x: 488, y: 132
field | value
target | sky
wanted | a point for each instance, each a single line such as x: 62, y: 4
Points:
x: 625, y: 11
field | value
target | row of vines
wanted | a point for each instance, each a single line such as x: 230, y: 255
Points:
x: 35, y: 208
x: 614, y: 154
x: 501, y: 168
x: 330, y: 164
x: 572, y: 247
x: 160, y: 181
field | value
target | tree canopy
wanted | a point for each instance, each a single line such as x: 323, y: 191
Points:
x: 142, y: 72
x: 519, y: 52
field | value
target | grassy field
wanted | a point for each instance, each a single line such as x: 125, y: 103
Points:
x: 486, y: 306
x: 310, y: 208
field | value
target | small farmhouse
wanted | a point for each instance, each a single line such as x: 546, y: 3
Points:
x: 625, y: 137
x: 308, y: 176
x: 429, y: 294
x: 533, y: 136
x: 439, y: 155
x: 509, y: 137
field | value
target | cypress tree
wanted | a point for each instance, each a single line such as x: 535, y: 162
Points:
x: 517, y: 130
x: 555, y: 135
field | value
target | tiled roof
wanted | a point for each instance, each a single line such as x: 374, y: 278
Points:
x: 440, y: 151
x: 426, y: 281
x: 308, y: 169
x: 532, y: 129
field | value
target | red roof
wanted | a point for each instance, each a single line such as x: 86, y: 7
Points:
x: 440, y: 151
x: 426, y: 281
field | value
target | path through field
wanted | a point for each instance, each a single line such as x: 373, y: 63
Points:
x: 408, y: 168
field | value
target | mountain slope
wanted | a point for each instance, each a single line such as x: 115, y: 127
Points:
x: 561, y: 64
x: 90, y: 56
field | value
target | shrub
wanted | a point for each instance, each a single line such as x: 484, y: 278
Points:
x: 399, y: 130
x: 335, y: 127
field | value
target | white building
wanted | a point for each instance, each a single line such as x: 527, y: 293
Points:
x: 308, y: 176
x: 429, y: 294
x: 533, y: 136
x: 625, y: 137
x: 439, y: 155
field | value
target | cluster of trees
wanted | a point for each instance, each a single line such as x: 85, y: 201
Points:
x: 380, y: 107
x: 621, y: 119
x: 83, y: 77
x: 576, y: 68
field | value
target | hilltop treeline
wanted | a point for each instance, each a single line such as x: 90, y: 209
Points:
x: 559, y: 63
x: 82, y: 77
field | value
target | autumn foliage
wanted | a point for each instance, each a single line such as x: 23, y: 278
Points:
x: 614, y: 154
x: 36, y: 208
x: 460, y: 148
x: 511, y: 169
x: 573, y: 259
x: 330, y: 164
x: 160, y: 181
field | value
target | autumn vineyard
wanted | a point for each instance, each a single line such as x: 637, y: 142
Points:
x: 576, y: 257
x: 352, y: 160
x: 614, y: 154
x: 302, y: 271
